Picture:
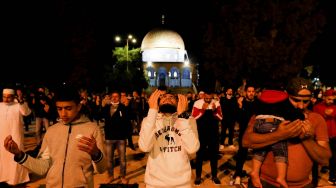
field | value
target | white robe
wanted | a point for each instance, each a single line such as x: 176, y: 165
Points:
x: 11, y: 123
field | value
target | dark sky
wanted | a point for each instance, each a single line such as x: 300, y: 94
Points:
x: 35, y: 32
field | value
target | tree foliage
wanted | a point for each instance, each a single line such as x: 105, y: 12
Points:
x: 260, y: 40
x: 123, y: 74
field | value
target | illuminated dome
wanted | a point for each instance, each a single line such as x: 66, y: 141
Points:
x: 162, y: 45
x: 162, y: 38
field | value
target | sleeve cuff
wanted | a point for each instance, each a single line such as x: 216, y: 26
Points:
x: 98, y: 158
x: 22, y: 159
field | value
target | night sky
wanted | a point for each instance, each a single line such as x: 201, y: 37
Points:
x: 35, y: 32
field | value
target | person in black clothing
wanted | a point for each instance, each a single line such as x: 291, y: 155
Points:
x: 144, y: 105
x: 207, y: 113
x: 87, y: 104
x: 136, y: 111
x: 125, y: 101
x: 191, y: 101
x: 117, y: 128
x: 247, y: 108
x: 43, y: 114
x: 229, y: 107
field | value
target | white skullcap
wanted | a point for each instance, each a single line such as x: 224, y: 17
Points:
x: 8, y: 91
x: 201, y: 92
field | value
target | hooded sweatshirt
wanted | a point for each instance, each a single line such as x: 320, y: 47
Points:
x: 169, y: 140
x: 59, y: 157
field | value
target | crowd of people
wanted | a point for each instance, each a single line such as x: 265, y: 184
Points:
x: 290, y: 130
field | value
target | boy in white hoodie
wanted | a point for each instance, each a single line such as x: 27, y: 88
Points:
x: 170, y: 138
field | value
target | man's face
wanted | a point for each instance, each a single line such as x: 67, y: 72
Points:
x: 301, y: 100
x: 135, y: 94
x: 250, y: 93
x: 229, y: 93
x: 115, y: 97
x: 67, y: 110
x: 329, y: 100
x: 7, y: 98
x: 168, y: 103
x: 207, y: 98
x: 168, y: 99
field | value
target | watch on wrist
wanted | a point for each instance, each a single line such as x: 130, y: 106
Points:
x: 185, y: 115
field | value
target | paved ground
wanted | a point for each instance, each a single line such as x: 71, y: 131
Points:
x: 136, y: 164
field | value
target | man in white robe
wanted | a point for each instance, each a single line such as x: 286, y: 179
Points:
x: 11, y: 123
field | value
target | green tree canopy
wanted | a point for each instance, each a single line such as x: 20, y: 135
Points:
x: 123, y: 74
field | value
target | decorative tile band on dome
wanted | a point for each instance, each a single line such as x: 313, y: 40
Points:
x: 164, y: 55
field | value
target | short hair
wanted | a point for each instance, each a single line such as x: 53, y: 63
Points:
x: 67, y: 93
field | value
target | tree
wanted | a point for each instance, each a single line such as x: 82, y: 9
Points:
x: 116, y: 74
x: 260, y: 40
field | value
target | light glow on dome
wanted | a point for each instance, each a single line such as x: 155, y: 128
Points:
x: 163, y: 55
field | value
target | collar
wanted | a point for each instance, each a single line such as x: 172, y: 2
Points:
x: 80, y: 120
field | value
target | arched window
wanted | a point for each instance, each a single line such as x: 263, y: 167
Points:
x: 186, y: 77
x: 150, y: 72
x: 151, y: 75
x: 175, y: 74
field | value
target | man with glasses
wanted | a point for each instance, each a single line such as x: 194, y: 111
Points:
x: 308, y: 140
x: 167, y: 135
x: 11, y: 122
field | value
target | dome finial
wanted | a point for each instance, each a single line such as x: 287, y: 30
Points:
x: 162, y: 19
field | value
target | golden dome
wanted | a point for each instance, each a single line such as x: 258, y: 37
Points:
x: 162, y: 38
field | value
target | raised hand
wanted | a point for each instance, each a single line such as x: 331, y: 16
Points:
x: 154, y: 98
x: 307, y: 130
x: 88, y: 145
x: 290, y: 129
x: 11, y: 146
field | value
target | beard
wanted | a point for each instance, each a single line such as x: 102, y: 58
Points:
x: 291, y: 113
x: 167, y: 108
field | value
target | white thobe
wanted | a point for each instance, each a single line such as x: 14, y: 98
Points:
x: 11, y: 123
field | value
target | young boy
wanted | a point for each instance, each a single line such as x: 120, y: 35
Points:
x: 71, y: 149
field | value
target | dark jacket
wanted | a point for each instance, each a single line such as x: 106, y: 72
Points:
x: 117, y: 126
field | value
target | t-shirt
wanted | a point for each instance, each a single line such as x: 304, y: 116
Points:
x: 299, y: 162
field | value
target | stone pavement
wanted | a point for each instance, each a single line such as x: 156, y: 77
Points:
x: 136, y: 165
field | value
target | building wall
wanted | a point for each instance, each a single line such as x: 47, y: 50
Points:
x: 177, y: 80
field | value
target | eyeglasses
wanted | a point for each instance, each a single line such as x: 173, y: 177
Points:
x: 300, y: 100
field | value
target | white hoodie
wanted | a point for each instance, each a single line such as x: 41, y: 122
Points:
x: 169, y: 140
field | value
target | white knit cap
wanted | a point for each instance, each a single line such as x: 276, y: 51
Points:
x: 8, y: 91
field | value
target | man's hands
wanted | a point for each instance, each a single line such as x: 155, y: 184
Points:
x: 308, y: 131
x: 297, y: 128
x: 11, y: 146
x: 211, y: 106
x: 289, y: 129
x: 89, y: 146
x: 154, y: 98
